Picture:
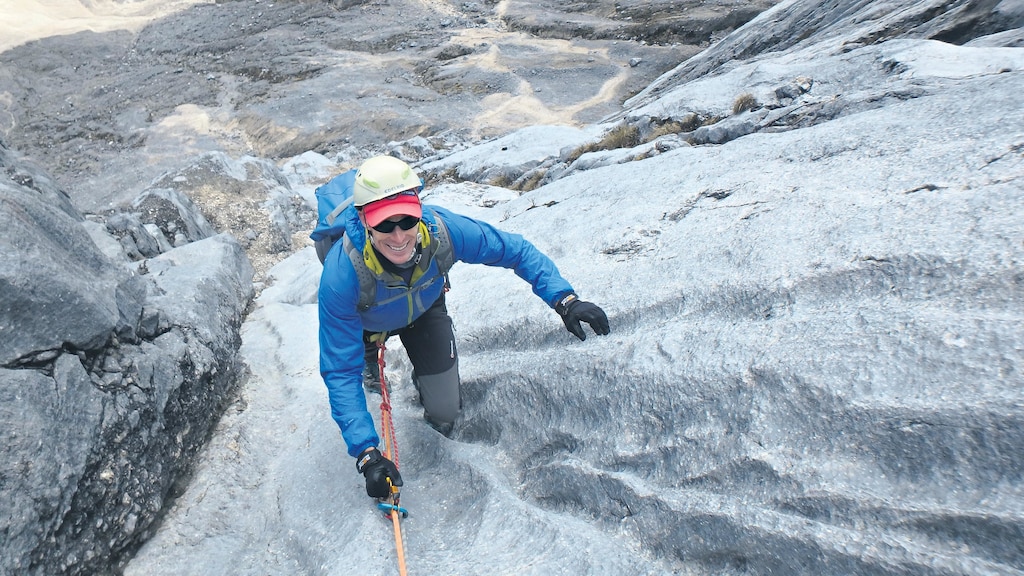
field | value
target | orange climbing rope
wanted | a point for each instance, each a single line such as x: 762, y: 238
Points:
x: 391, y: 504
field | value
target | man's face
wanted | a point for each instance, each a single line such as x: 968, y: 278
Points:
x: 397, y: 245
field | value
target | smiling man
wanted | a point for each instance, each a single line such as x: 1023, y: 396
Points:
x: 389, y: 277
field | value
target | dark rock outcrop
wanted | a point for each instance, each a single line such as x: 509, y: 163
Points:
x: 112, y: 374
x: 662, y: 21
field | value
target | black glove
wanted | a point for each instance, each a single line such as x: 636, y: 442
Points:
x: 572, y: 310
x: 377, y: 469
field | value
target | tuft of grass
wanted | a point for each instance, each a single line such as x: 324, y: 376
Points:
x: 670, y: 127
x: 580, y: 151
x: 502, y: 181
x: 522, y: 184
x: 744, y: 103
x: 622, y: 136
x: 690, y: 122
x: 533, y: 181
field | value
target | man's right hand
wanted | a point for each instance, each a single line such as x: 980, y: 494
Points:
x: 377, y: 469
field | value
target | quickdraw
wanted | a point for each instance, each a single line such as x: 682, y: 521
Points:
x: 390, y: 505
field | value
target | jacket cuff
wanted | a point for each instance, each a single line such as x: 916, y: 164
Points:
x: 562, y: 305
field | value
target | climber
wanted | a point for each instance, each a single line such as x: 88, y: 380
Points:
x: 388, y: 277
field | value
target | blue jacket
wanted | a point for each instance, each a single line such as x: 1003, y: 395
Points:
x: 342, y: 324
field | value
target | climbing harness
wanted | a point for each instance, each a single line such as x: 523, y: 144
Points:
x: 390, y: 505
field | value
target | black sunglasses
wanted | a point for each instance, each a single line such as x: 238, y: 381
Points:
x: 388, y: 226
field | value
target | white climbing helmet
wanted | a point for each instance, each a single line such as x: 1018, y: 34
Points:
x: 383, y: 176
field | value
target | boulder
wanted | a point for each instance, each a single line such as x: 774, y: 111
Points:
x: 112, y: 374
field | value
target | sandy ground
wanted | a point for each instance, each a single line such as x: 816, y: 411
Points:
x: 28, y: 20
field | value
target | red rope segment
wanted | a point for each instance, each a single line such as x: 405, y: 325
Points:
x: 387, y: 424
x: 391, y: 453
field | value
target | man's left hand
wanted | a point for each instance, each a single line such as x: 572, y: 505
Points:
x: 573, y: 311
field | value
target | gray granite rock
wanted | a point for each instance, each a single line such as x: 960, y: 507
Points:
x: 58, y: 289
x: 849, y: 23
x: 112, y: 374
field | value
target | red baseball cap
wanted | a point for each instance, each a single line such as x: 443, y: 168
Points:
x: 406, y: 203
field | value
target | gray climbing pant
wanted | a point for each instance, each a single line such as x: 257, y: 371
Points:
x: 430, y: 343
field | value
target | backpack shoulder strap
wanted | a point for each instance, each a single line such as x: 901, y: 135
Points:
x: 444, y: 253
x: 333, y: 215
x: 367, y: 283
x: 323, y: 246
